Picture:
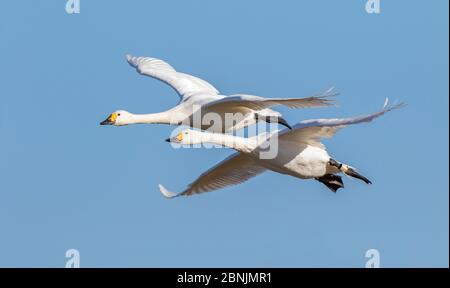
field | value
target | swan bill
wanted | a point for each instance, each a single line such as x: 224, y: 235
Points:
x: 176, y: 139
x: 106, y: 122
x: 111, y: 120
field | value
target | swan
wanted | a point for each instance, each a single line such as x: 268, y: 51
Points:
x: 299, y: 154
x: 198, y: 97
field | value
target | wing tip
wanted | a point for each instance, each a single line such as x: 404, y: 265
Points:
x: 131, y: 60
x: 166, y: 193
x: 389, y: 107
x: 330, y: 92
x: 323, y: 99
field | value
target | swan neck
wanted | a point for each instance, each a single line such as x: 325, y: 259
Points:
x: 237, y: 143
x: 153, y: 118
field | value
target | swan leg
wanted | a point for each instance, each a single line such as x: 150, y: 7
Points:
x: 332, y: 181
x: 273, y: 119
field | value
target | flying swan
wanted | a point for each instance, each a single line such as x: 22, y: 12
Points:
x: 198, y: 96
x: 300, y: 154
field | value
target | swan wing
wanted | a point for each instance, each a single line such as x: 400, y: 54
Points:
x: 234, y: 170
x: 184, y: 84
x: 312, y: 131
x: 245, y: 101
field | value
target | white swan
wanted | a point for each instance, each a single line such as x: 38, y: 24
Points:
x: 198, y: 96
x: 300, y: 154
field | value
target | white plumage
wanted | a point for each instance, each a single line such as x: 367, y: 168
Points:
x: 300, y: 154
x: 198, y: 96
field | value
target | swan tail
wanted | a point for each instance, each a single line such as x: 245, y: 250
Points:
x: 166, y: 193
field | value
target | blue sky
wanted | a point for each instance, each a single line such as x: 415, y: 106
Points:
x: 67, y: 182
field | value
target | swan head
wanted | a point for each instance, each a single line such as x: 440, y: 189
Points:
x: 118, y: 118
x: 187, y: 137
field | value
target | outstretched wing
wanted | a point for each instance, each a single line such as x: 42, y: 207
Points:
x: 234, y: 170
x: 244, y: 101
x: 186, y: 85
x: 312, y: 131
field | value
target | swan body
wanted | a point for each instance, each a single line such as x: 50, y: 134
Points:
x: 299, y: 154
x: 199, y: 98
x: 302, y: 161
